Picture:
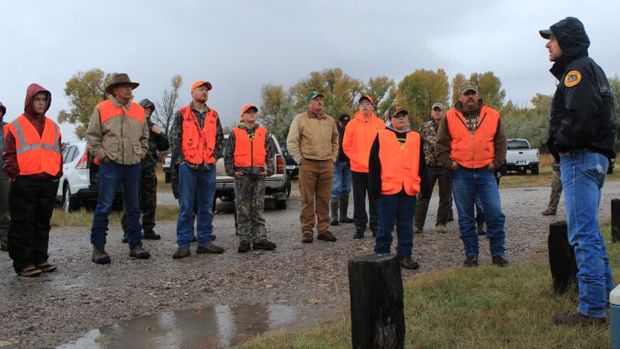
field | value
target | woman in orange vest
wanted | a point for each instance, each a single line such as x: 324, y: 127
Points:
x: 34, y: 164
x: 396, y: 173
x: 248, y: 157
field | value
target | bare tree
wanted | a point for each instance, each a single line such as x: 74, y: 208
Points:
x: 167, y: 105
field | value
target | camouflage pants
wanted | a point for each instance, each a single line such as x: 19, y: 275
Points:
x: 556, y: 189
x: 5, y: 219
x: 249, y: 204
x: 148, y: 201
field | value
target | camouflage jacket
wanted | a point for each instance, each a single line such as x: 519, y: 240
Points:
x: 157, y: 142
x: 428, y: 132
x: 229, y: 152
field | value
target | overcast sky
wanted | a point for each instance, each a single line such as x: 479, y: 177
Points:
x: 241, y: 45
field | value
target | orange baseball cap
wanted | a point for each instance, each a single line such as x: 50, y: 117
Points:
x: 199, y: 83
x: 247, y: 107
x: 367, y: 97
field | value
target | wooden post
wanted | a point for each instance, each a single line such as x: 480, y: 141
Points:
x: 377, y: 317
x: 561, y: 258
x: 615, y: 220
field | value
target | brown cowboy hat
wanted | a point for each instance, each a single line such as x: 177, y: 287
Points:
x: 120, y: 79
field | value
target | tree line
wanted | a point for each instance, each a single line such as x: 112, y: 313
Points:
x: 416, y: 91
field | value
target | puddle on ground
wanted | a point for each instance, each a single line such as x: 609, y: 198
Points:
x: 219, y: 326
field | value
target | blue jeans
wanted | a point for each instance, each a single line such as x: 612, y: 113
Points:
x: 111, y: 176
x: 469, y: 186
x: 583, y: 175
x: 196, y: 189
x: 398, y: 208
x: 341, y: 185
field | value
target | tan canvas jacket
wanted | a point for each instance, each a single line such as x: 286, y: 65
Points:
x: 314, y: 138
x: 121, y: 139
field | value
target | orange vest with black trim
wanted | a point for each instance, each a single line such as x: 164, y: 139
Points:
x: 399, y: 163
x: 36, y: 153
x: 198, y: 143
x: 250, y: 153
x: 109, y: 110
x: 472, y: 149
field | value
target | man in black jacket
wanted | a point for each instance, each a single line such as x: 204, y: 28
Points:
x: 582, y: 136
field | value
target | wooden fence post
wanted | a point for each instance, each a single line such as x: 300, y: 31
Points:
x: 377, y: 317
x: 561, y: 258
x: 615, y: 220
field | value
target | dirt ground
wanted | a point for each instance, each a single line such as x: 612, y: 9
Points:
x: 60, y: 307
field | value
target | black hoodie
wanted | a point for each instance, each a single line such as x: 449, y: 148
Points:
x: 582, y: 110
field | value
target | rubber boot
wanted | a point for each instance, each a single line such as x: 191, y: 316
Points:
x: 344, y: 206
x: 334, y: 205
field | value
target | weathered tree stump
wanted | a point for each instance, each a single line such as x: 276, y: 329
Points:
x: 615, y: 220
x: 377, y: 317
x: 561, y: 258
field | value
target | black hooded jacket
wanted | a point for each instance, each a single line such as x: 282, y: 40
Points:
x: 582, y: 110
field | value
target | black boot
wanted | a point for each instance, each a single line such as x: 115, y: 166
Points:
x: 344, y: 206
x: 334, y: 205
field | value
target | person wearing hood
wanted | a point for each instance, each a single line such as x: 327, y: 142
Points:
x: 148, y: 179
x: 471, y: 143
x: 436, y: 174
x: 341, y: 186
x: 582, y: 134
x: 396, y: 174
x: 356, y: 143
x: 33, y: 162
x: 118, y: 136
x: 5, y: 185
x: 249, y: 159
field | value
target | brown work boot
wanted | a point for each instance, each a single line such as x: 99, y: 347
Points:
x: 326, y: 236
x: 264, y: 244
x: 210, y: 248
x: 307, y: 237
x: 549, y: 212
x: 139, y: 252
x: 100, y: 256
x: 46, y: 267
x: 408, y: 263
x: 30, y: 271
x: 578, y: 319
x: 181, y: 252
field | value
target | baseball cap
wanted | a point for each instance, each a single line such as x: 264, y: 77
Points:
x: 199, y: 83
x: 438, y: 105
x: 397, y: 109
x: 367, y: 97
x: 312, y: 95
x: 468, y: 86
x: 344, y: 118
x: 247, y: 107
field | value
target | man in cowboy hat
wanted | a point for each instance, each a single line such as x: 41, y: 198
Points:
x: 118, y: 136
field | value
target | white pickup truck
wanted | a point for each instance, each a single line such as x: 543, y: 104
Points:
x: 520, y: 156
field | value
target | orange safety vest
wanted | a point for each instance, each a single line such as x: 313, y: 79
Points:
x: 250, y: 153
x: 472, y: 149
x: 399, y: 164
x: 36, y: 153
x: 109, y: 110
x: 358, y: 138
x: 198, y: 143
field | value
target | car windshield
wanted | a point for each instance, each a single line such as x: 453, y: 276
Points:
x: 517, y: 144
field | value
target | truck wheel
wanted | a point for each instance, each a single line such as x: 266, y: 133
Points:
x: 535, y: 170
x: 281, y: 204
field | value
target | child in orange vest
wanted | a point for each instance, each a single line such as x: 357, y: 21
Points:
x: 397, y: 171
x: 249, y: 158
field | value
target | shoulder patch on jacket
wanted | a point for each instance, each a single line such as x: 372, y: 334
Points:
x: 572, y: 78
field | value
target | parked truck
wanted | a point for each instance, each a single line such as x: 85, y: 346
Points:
x: 520, y: 156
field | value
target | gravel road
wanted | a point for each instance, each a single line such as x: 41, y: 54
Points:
x: 60, y: 307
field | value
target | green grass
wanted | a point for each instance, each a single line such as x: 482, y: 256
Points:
x: 84, y: 217
x: 486, y: 307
